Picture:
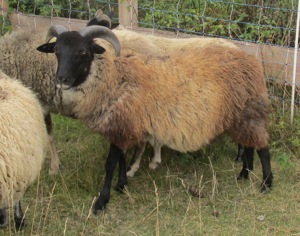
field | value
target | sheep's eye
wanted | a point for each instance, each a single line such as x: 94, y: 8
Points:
x: 83, y: 53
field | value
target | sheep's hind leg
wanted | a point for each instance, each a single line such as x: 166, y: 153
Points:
x: 54, y: 160
x: 248, y: 159
x: 122, y: 180
x: 240, y: 153
x: 19, y: 216
x: 3, y: 217
x: 112, y: 160
x: 156, y: 160
x: 134, y: 164
x: 265, y: 159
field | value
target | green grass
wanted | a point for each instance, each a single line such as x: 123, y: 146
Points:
x: 158, y: 202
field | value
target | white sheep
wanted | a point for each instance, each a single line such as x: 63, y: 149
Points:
x: 22, y: 147
x: 183, y: 100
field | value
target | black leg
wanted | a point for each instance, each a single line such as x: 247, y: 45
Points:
x: 19, y: 217
x: 112, y: 160
x: 48, y: 122
x: 122, y: 180
x: 3, y: 217
x: 248, y: 159
x: 240, y: 153
x: 265, y: 160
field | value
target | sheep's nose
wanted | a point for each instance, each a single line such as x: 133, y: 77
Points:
x: 62, y: 79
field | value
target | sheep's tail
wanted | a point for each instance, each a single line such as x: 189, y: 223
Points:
x: 251, y: 129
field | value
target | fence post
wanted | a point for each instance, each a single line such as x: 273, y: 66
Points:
x: 128, y: 13
x: 4, y: 8
x: 295, y: 63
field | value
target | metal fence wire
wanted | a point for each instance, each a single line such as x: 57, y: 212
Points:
x: 265, y: 28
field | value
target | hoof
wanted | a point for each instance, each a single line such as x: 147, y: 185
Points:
x: 54, y: 170
x: 153, y: 165
x: 100, y: 205
x: 120, y: 188
x: 131, y: 170
x: 265, y: 188
x: 98, y: 211
x: 243, y: 175
x: 3, y: 218
x: 20, y: 224
x: 130, y: 173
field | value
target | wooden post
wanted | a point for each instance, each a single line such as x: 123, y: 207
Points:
x: 128, y: 13
x: 4, y: 7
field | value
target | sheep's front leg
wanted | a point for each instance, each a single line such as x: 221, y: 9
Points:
x: 113, y: 158
x: 156, y: 160
x: 19, y: 216
x: 3, y: 217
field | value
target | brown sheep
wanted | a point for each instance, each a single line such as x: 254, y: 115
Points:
x: 183, y: 100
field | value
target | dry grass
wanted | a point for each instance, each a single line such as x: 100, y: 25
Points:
x: 159, y: 202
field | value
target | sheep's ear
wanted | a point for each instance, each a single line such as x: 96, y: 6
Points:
x: 46, y: 48
x: 98, y: 49
x: 114, y: 25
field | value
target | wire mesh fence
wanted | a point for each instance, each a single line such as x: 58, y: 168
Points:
x: 265, y: 28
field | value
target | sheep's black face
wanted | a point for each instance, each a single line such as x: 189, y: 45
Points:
x: 74, y: 55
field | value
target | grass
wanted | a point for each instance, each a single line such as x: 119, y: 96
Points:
x: 159, y: 202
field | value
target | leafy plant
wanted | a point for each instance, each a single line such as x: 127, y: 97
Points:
x: 64, y: 8
x: 270, y: 22
x: 284, y: 161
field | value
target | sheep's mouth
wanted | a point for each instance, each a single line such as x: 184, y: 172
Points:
x: 63, y: 86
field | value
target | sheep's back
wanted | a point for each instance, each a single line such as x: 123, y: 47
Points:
x: 196, y: 95
x: 23, y: 139
x: 169, y: 45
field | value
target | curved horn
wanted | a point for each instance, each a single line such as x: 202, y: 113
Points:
x: 54, y: 31
x: 102, y: 32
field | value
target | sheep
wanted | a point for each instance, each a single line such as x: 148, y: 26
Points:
x: 23, y: 145
x: 159, y: 46
x: 183, y: 100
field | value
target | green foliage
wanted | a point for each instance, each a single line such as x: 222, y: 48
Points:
x: 284, y: 134
x: 252, y: 20
x: 6, y: 27
x: 246, y: 21
x: 284, y: 160
x: 64, y: 8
